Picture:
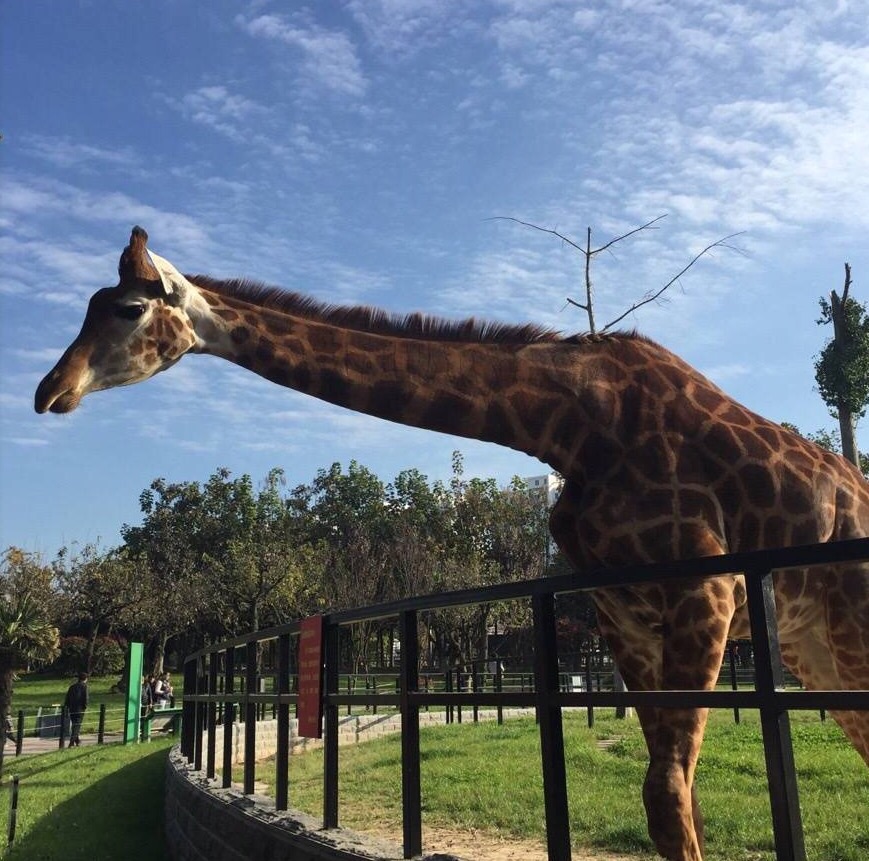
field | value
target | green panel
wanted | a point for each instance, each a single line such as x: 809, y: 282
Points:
x: 135, y: 660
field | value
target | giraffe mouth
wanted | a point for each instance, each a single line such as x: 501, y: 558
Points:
x: 50, y: 401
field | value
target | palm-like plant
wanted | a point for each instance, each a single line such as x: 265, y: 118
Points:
x: 26, y: 636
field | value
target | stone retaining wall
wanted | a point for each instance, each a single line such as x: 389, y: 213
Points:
x: 207, y: 823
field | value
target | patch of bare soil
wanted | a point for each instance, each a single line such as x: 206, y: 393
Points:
x: 484, y: 846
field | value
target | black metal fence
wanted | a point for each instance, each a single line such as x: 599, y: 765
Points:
x: 234, y: 675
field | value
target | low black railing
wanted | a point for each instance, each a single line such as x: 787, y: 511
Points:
x: 211, y: 695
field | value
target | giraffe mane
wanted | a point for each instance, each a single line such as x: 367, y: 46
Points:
x: 377, y: 321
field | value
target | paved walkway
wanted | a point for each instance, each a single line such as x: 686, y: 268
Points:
x: 35, y: 744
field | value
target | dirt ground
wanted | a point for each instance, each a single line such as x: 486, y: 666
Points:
x: 477, y: 846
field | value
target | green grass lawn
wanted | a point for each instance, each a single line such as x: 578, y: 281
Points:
x: 488, y: 777
x: 96, y: 803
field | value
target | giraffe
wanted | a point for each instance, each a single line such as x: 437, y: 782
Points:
x: 659, y: 464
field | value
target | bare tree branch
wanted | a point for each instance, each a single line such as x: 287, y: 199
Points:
x: 651, y: 297
x: 561, y: 236
x: 646, y: 226
x: 588, y: 252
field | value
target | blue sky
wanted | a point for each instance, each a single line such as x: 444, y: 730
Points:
x: 356, y: 151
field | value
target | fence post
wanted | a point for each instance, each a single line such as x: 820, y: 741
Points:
x: 188, y: 710
x: 282, y: 754
x: 332, y: 657
x: 211, y: 721
x: 589, y: 681
x: 499, y: 688
x: 19, y: 738
x: 201, y: 688
x: 731, y: 654
x: 551, y: 730
x: 63, y: 719
x: 411, y: 798
x: 775, y: 722
x: 101, y: 726
x: 475, y: 688
x: 228, y: 716
x: 13, y: 811
x: 250, y: 718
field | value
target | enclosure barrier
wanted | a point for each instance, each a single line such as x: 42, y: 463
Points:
x: 211, y: 695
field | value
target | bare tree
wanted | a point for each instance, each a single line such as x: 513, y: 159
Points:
x: 589, y: 253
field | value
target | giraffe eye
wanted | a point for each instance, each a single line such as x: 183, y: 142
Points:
x: 130, y: 312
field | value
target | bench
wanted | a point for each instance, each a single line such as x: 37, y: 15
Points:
x: 161, y: 720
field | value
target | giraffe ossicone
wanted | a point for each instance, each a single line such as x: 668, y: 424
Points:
x: 658, y: 464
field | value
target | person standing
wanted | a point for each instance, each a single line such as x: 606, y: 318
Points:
x: 76, y: 703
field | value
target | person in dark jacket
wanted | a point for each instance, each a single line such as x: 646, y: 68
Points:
x: 76, y: 703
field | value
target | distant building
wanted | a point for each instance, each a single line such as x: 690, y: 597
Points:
x: 550, y: 484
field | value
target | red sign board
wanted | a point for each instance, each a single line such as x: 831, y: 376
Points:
x: 311, y: 677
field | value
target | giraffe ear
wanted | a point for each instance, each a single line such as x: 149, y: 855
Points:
x: 174, y: 283
x: 135, y: 263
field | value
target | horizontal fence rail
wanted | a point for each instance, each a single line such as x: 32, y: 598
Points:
x: 236, y: 682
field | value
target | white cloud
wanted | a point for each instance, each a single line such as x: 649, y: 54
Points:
x: 219, y: 109
x: 402, y: 27
x: 65, y: 153
x: 328, y: 56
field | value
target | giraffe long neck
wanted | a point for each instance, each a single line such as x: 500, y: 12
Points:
x: 488, y: 391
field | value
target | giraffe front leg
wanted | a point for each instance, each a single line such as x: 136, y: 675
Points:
x: 672, y: 808
x: 675, y: 642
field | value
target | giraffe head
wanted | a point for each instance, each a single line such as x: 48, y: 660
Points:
x: 130, y: 332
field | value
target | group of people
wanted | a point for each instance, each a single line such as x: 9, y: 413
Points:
x: 157, y: 692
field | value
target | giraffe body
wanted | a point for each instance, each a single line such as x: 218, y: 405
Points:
x: 659, y: 464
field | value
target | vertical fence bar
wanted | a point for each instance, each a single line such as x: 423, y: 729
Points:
x: 332, y: 657
x: 475, y: 688
x: 589, y: 682
x: 499, y: 688
x: 211, y: 755
x: 411, y: 797
x: 188, y: 710
x: 64, y: 717
x: 775, y: 722
x: 101, y: 726
x: 19, y: 738
x: 282, y: 754
x: 551, y: 730
x: 250, y: 718
x: 201, y: 688
x: 13, y: 811
x: 731, y: 655
x: 228, y: 715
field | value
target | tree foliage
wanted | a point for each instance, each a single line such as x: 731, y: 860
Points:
x: 215, y: 559
x: 27, y: 633
x: 842, y: 367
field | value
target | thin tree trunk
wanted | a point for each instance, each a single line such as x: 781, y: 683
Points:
x: 92, y: 642
x: 160, y: 652
x: 841, y: 337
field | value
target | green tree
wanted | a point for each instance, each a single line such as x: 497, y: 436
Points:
x: 254, y: 550
x: 97, y: 586
x: 168, y: 546
x: 27, y: 634
x: 842, y: 367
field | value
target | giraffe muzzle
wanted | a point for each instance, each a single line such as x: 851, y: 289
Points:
x: 53, y: 395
